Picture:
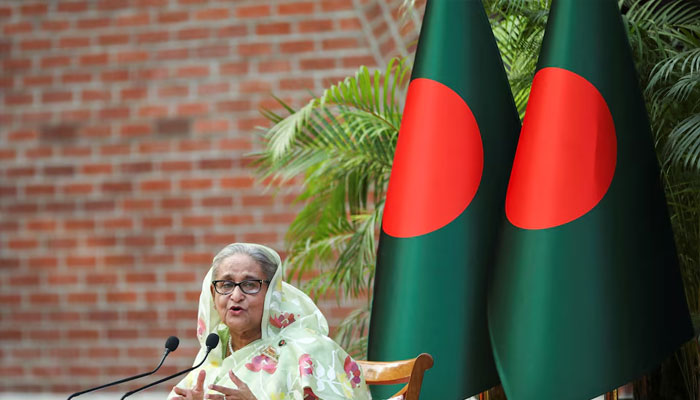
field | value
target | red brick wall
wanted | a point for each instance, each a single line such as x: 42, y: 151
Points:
x: 124, y: 129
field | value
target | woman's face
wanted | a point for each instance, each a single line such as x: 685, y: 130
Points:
x: 241, y: 312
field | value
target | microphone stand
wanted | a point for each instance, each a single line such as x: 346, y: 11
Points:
x: 209, y: 349
x: 165, y: 354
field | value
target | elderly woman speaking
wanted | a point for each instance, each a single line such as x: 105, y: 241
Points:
x: 274, y: 342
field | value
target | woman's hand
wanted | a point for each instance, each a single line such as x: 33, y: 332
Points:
x: 192, y: 394
x: 242, y: 393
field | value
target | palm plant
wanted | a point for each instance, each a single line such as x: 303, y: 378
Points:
x: 342, y: 143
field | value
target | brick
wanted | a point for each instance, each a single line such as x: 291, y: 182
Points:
x: 356, y: 61
x: 113, y: 39
x: 73, y: 42
x: 22, y: 243
x: 165, y: 259
x: 193, y: 33
x: 83, y: 334
x: 9, y: 263
x: 257, y: 200
x: 160, y: 297
x: 157, y: 222
x: 276, y: 28
x: 173, y: 17
x: 34, y: 9
x: 72, y: 6
x: 336, y: 5
x: 132, y: 56
x: 18, y: 27
x: 95, y: 95
x: 78, y: 188
x: 33, y: 190
x: 194, y: 145
x: 232, y: 31
x: 247, y: 124
x: 43, y: 298
x: 197, y: 220
x: 136, y: 167
x: 59, y: 132
x: 42, y: 262
x: 133, y: 93
x: 116, y: 187
x: 235, y: 144
x: 297, y: 84
x: 18, y: 99
x: 81, y: 261
x: 17, y: 64
x: 252, y: 11
x: 219, y: 239
x: 154, y: 147
x: 97, y: 169
x: 312, y: 26
x: 141, y: 277
x: 274, y: 66
x: 114, y: 113
x: 153, y: 37
x: 37, y: 80
x: 350, y: 24
x: 317, y: 63
x: 94, y: 59
x: 133, y: 130
x: 176, y: 202
x: 153, y: 111
x: 173, y: 91
x: 133, y: 20
x: 240, y: 182
x: 117, y: 223
x: 233, y: 105
x: 93, y: 23
x: 119, y: 259
x: 101, y: 279
x: 339, y: 43
x: 62, y: 243
x: 213, y: 88
x: 303, y: 8
x: 55, y: 26
x: 194, y: 71
x: 101, y: 241
x: 57, y: 170
x: 155, y: 185
x: 192, y: 109
x: 137, y: 204
x: 212, y: 14
x: 254, y: 49
x: 99, y: 205
x: 105, y: 5
x: 76, y: 77
x: 179, y: 240
x: 118, y: 75
x: 172, y: 54
x: 171, y: 166
x: 211, y: 126
x: 219, y: 201
x: 82, y: 297
x: 238, y: 68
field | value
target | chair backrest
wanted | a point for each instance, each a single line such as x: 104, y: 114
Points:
x: 393, y: 372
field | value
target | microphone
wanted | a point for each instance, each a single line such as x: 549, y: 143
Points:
x: 211, y: 342
x: 170, y: 346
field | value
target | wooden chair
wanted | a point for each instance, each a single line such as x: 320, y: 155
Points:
x: 392, y: 372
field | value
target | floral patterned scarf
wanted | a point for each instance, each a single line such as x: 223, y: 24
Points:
x: 294, y: 359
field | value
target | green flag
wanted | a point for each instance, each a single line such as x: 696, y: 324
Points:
x: 444, y: 204
x: 587, y: 293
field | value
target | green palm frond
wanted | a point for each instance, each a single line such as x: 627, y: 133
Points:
x: 342, y: 142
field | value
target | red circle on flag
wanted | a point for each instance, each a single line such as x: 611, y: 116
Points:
x: 438, y: 162
x: 566, y: 155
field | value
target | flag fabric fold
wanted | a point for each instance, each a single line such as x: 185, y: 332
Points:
x: 587, y: 293
x: 444, y: 204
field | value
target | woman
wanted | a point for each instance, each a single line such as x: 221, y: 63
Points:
x: 274, y: 342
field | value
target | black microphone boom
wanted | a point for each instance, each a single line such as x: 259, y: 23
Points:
x: 212, y: 342
x: 170, y: 346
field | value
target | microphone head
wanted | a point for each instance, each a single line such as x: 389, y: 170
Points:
x: 212, y: 340
x: 172, y: 343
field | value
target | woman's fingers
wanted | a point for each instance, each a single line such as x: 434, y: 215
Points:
x: 222, y: 389
x: 214, y: 397
x: 200, y: 381
x: 236, y: 380
x: 180, y: 391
